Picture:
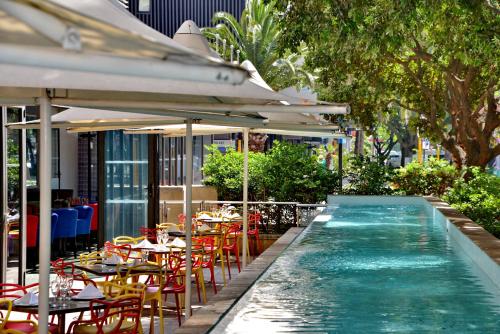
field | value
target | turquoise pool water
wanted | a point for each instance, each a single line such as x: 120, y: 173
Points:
x: 370, y: 269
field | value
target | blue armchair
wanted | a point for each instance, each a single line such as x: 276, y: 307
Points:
x: 53, y: 226
x: 85, y: 214
x: 66, y: 226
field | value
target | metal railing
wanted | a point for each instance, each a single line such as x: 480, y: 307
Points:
x: 277, y: 217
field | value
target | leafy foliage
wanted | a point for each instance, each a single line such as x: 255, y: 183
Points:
x: 256, y: 36
x: 367, y: 177
x: 294, y: 175
x: 478, y: 198
x: 438, y: 59
x: 286, y: 173
x: 433, y: 177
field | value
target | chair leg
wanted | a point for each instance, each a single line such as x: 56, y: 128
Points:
x: 221, y: 253
x: 160, y: 310
x: 258, y: 244
x: 177, y: 306
x: 237, y: 259
x: 201, y: 280
x: 74, y: 247
x: 197, y: 286
x: 228, y: 265
x: 212, y: 278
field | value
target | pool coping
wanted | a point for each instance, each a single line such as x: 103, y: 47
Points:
x: 209, y: 314
x: 484, y: 240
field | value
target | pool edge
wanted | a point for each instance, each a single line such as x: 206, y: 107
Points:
x: 480, y: 245
x: 204, y: 319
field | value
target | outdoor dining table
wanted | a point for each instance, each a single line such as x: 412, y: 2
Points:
x: 182, y: 234
x: 220, y: 220
x: 71, y: 306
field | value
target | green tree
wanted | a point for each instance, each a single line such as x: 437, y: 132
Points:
x: 439, y: 59
x: 256, y: 36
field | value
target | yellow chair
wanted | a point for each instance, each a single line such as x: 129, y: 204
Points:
x: 15, y: 326
x: 91, y: 258
x: 170, y: 227
x: 124, y: 239
x: 153, y: 276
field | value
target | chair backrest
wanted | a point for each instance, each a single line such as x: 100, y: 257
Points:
x: 125, y: 308
x: 61, y: 268
x: 181, y: 218
x: 94, y: 223
x: 66, y: 223
x: 32, y: 231
x: 84, y: 212
x: 230, y: 235
x: 149, y: 233
x: 146, y: 273
x: 126, y: 240
x: 5, y: 304
x: 254, y: 220
x: 112, y: 289
x: 121, y: 250
x: 91, y: 258
x: 54, y: 219
x: 170, y: 227
x: 13, y: 291
x: 205, y: 247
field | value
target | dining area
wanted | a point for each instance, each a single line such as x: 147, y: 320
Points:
x: 136, y: 283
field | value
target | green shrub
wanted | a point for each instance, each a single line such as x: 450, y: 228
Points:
x: 366, y: 177
x: 478, y: 197
x: 287, y: 173
x: 433, y: 177
x: 292, y: 174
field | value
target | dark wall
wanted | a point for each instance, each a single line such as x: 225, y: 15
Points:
x: 167, y: 16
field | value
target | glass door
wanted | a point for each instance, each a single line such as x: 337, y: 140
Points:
x: 126, y: 188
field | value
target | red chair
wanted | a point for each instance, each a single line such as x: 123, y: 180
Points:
x: 62, y: 268
x: 121, y: 250
x: 31, y: 231
x: 206, y: 248
x: 230, y: 245
x: 122, y: 315
x: 149, y: 233
x: 253, y: 230
x: 94, y: 222
x: 175, y: 283
x: 11, y: 292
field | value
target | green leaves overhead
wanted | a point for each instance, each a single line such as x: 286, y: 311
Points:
x: 256, y: 36
x: 439, y: 59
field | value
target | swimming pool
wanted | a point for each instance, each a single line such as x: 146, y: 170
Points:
x: 388, y: 268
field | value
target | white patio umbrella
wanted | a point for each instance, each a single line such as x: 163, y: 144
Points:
x: 52, y: 52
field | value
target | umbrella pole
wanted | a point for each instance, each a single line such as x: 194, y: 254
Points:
x: 188, y: 223
x: 245, y: 197
x: 45, y: 214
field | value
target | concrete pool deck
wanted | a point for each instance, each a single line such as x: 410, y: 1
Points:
x: 208, y: 315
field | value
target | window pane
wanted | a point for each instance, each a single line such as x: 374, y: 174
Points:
x: 144, y: 5
x: 126, y: 165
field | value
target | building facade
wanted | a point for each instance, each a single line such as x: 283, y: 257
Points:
x: 167, y: 16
